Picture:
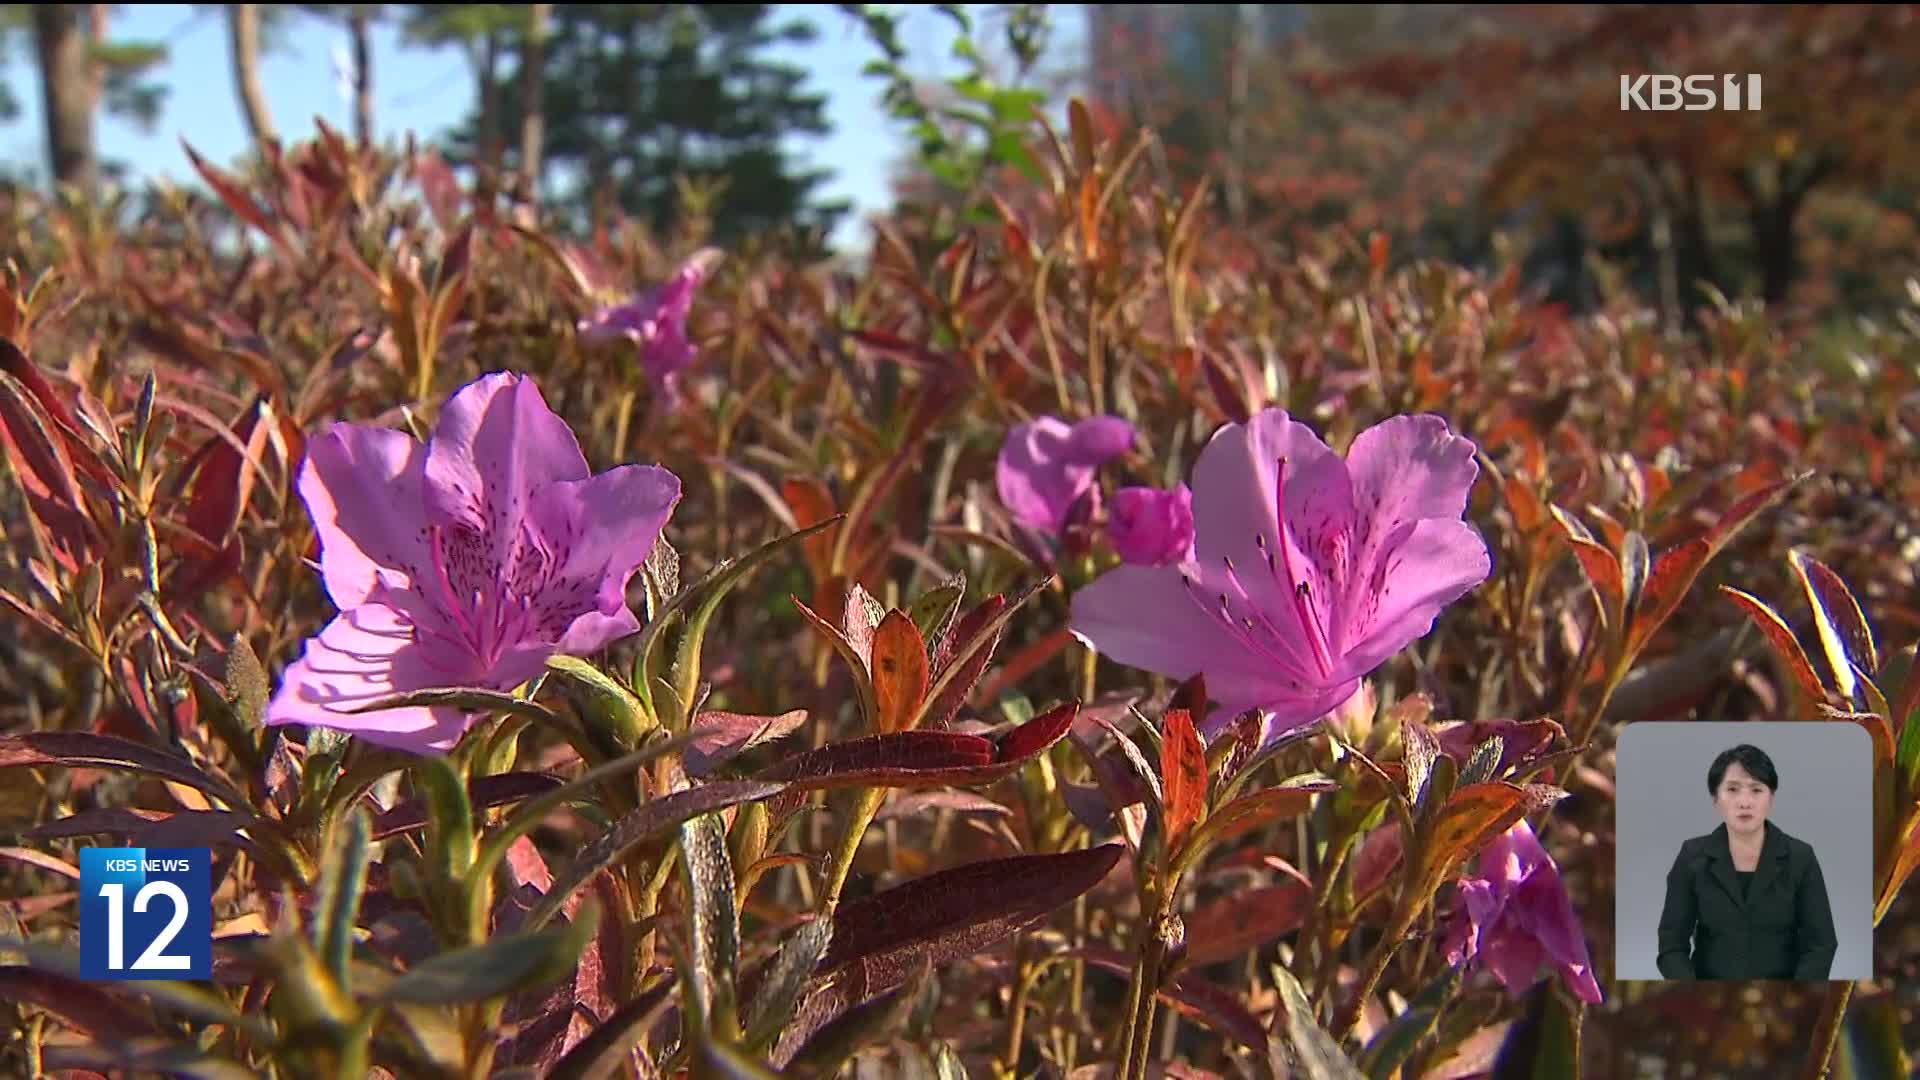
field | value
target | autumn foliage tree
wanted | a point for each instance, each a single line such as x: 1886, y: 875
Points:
x: 1720, y: 196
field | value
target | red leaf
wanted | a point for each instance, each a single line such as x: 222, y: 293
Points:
x: 879, y: 941
x: 1039, y: 734
x: 75, y: 749
x: 224, y: 480
x: 898, y: 759
x: 1243, y: 922
x: 1183, y: 776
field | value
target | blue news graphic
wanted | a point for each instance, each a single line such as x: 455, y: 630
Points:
x: 146, y: 913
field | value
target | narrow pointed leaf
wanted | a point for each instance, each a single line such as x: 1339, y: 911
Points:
x: 1474, y: 816
x: 337, y: 910
x: 75, y: 749
x: 1545, y: 1040
x: 1845, y: 638
x: 859, y: 1027
x: 856, y: 663
x: 878, y: 941
x: 779, y: 990
x: 471, y: 700
x: 1481, y: 767
x: 1636, y: 563
x: 153, y: 1055
x: 934, y: 611
x: 714, y: 933
x: 1421, y: 749
x: 1301, y: 1042
x: 497, y: 968
x: 451, y: 847
x: 1249, y: 812
x: 1780, y: 639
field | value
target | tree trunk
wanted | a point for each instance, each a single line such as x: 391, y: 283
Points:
x: 533, y: 123
x: 487, y: 168
x: 67, y: 93
x: 243, y: 32
x: 361, y: 35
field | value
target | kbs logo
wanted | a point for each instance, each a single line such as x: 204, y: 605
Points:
x: 1694, y: 93
x: 146, y: 913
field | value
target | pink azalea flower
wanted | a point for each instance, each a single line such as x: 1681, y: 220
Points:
x: 463, y: 562
x: 1047, y: 465
x: 1309, y: 571
x: 1152, y: 527
x: 656, y: 322
x: 1514, y: 918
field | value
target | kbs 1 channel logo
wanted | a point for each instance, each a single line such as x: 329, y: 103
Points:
x: 1689, y: 93
x: 146, y: 913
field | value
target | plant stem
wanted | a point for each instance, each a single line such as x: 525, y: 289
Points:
x: 1145, y: 995
x: 1396, y: 930
x: 863, y: 813
x: 1826, y: 1031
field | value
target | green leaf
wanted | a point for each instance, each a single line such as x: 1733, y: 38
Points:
x: 609, y: 706
x: 497, y: 968
x: 450, y: 848
x: 779, y: 991
x: 1545, y: 1040
x: 1391, y: 1048
x: 715, y: 931
x: 1486, y: 758
x: 1301, y: 1047
x: 936, y: 609
x: 469, y: 699
x: 342, y: 877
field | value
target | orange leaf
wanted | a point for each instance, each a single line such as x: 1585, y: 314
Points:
x: 1183, y: 774
x: 812, y: 504
x: 1474, y: 816
x: 899, y: 671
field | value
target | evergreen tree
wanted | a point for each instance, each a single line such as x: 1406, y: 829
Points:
x: 638, y: 97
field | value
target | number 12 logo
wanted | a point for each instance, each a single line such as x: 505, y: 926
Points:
x: 153, y: 905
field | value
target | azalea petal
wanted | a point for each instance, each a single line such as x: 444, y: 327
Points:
x: 1035, y: 482
x: 362, y: 486
x: 1144, y: 617
x: 1099, y: 439
x: 364, y: 655
x: 598, y: 532
x: 1235, y: 483
x: 1513, y: 956
x: 1404, y: 470
x: 497, y: 443
x: 1425, y: 568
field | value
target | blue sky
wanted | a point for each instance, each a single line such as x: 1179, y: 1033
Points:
x: 426, y: 90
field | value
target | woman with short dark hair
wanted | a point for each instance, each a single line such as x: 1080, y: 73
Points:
x: 1746, y: 901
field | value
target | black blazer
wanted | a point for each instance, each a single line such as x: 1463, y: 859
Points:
x: 1781, y: 929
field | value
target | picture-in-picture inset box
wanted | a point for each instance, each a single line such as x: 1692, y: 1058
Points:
x: 1744, y: 851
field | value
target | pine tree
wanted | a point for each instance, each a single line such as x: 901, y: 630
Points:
x: 639, y: 97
